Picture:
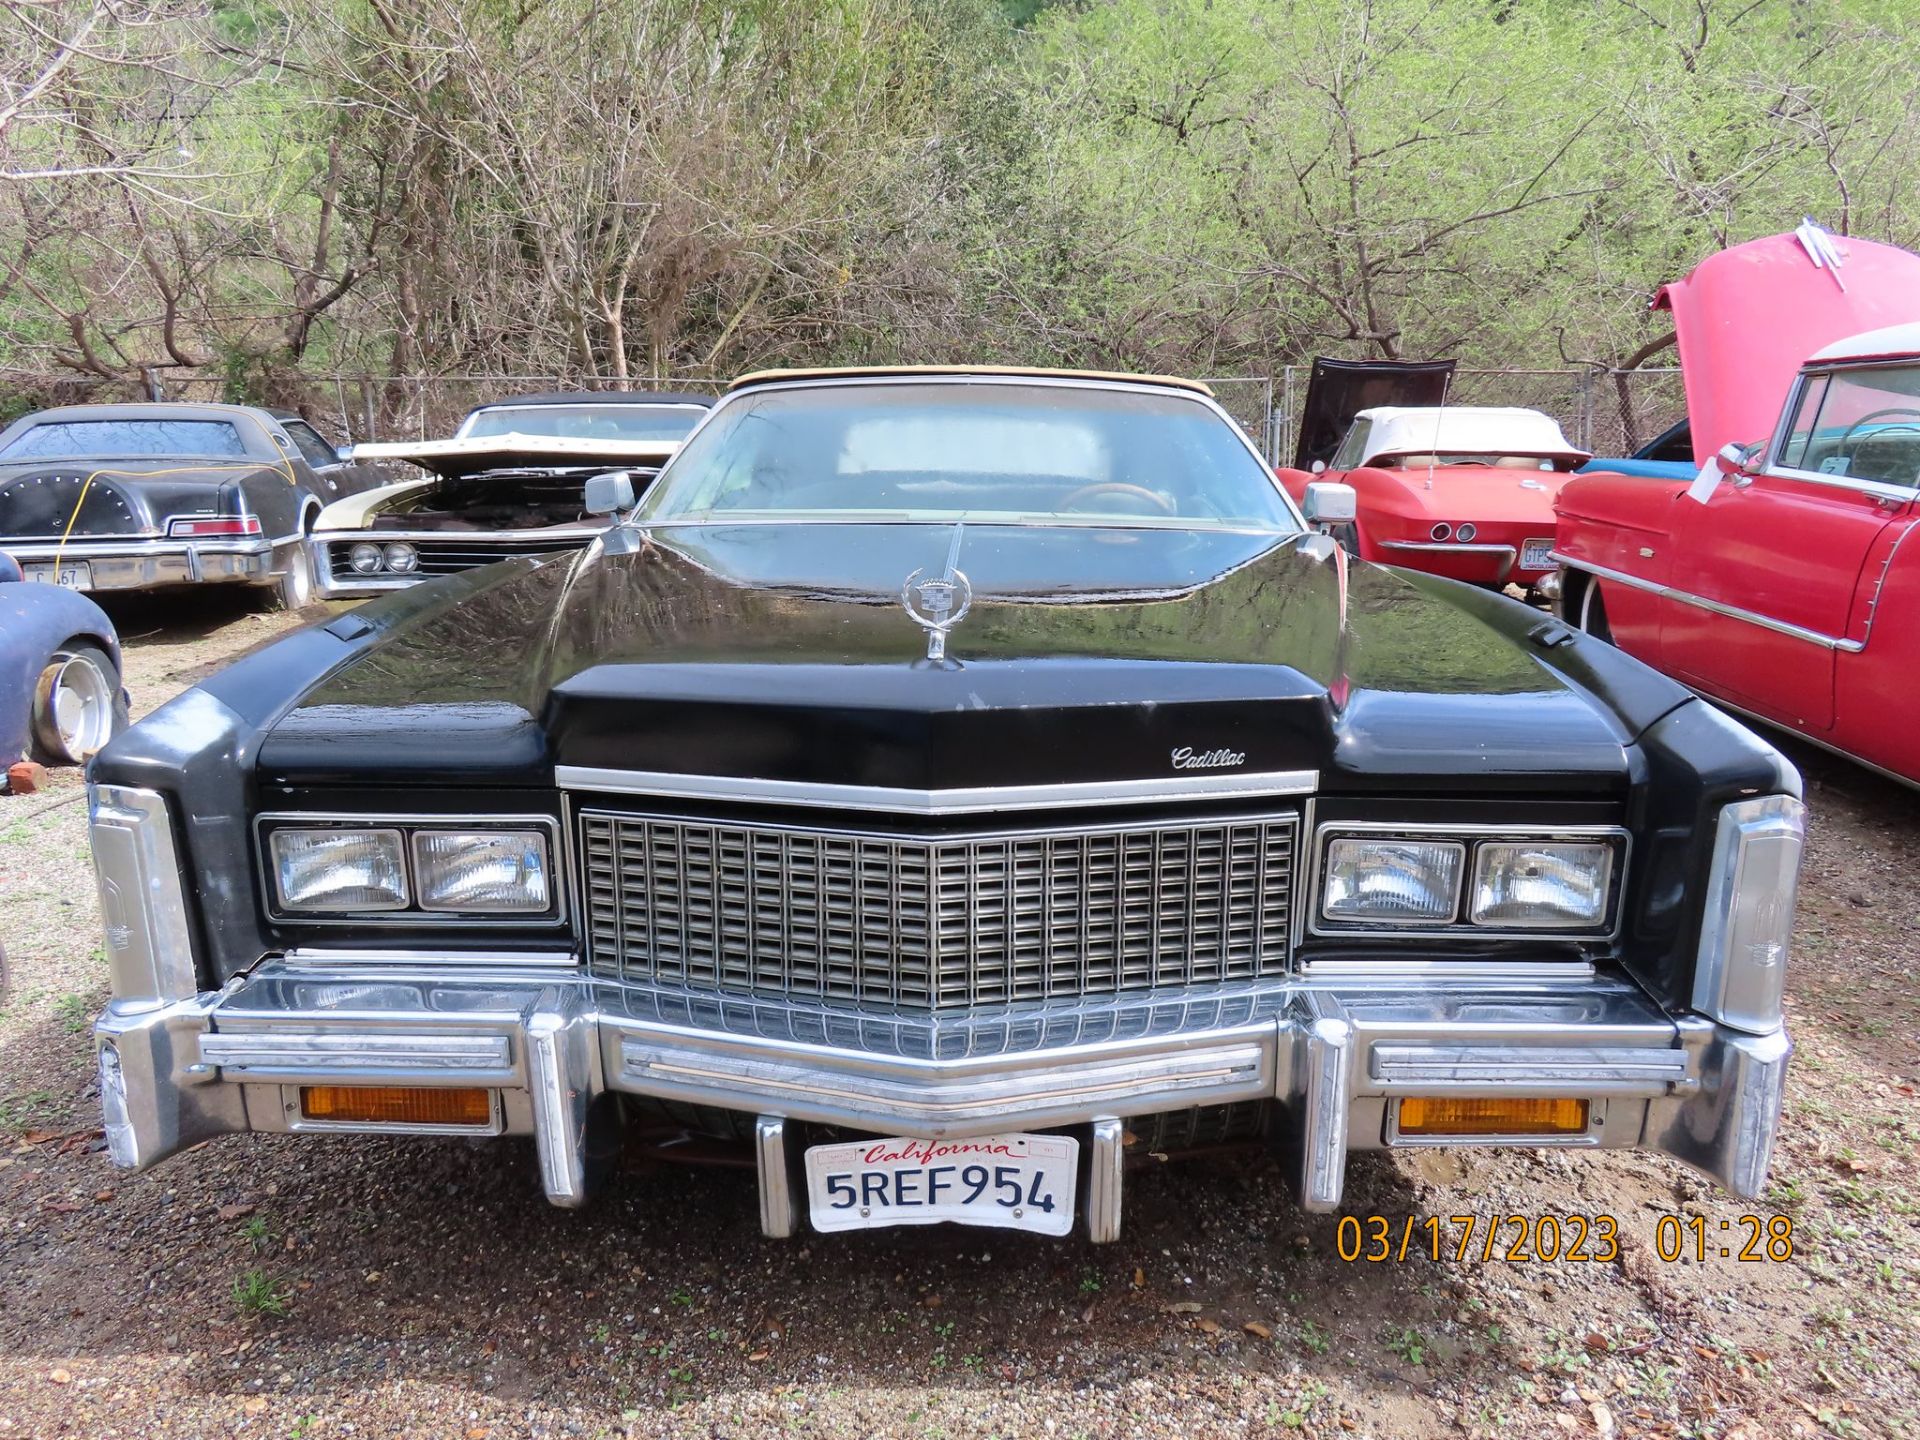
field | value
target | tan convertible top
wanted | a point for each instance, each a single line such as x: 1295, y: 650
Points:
x: 859, y: 372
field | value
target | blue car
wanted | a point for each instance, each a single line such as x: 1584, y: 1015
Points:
x: 60, y: 692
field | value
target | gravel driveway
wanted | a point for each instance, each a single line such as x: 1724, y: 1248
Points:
x: 271, y: 1286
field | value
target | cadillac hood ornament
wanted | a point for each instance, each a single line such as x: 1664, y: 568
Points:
x: 937, y: 604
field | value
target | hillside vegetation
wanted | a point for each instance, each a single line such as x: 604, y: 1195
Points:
x: 606, y: 189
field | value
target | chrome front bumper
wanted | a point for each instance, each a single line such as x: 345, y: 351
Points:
x: 1336, y: 1053
x: 138, y: 564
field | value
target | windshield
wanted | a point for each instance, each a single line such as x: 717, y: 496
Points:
x: 1022, y: 452
x: 1487, y: 458
x: 128, y: 438
x: 586, y: 422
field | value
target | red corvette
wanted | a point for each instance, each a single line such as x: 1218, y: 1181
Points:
x: 1459, y: 490
x: 1776, y: 578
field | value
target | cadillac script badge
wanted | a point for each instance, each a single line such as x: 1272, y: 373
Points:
x: 937, y: 605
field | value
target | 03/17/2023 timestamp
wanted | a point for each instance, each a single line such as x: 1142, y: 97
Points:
x: 1378, y: 1239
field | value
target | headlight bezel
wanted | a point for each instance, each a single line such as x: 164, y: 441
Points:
x: 409, y: 826
x: 1473, y: 837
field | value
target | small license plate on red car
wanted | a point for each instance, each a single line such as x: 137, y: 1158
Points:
x: 76, y: 575
x: 1007, y: 1182
x: 1537, y: 554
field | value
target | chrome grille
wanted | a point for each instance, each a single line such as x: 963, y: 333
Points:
x: 935, y: 922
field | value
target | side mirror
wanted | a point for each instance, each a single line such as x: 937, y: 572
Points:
x: 1330, y: 503
x: 610, y: 493
x: 343, y: 453
x: 1318, y: 467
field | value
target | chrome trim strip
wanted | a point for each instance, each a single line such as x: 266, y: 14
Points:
x: 462, y: 539
x: 143, y: 903
x: 1700, y: 602
x: 442, y: 1059
x: 95, y: 547
x: 1463, y: 548
x: 1106, y: 1173
x: 937, y: 1096
x: 1878, y: 489
x: 1341, y: 970
x: 957, y: 801
x: 302, y: 956
x: 1480, y: 1069
x: 779, y: 1214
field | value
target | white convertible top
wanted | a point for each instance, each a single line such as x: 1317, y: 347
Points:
x: 1466, y: 430
x: 1886, y: 343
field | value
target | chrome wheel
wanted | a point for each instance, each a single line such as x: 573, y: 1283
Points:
x: 296, y: 580
x: 75, y: 705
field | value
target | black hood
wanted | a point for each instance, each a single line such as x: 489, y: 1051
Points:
x: 113, y: 497
x: 1341, y: 389
x: 1087, y: 654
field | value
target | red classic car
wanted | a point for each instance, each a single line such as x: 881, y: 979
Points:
x: 1464, y: 491
x: 1775, y: 577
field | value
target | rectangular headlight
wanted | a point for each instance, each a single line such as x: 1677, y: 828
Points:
x: 1748, y: 919
x: 1539, y: 885
x: 482, y: 870
x: 1393, y: 882
x: 349, y: 871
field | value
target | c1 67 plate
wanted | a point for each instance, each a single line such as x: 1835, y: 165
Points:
x: 1008, y: 1182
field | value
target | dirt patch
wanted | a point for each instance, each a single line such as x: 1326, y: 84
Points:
x: 300, y: 1287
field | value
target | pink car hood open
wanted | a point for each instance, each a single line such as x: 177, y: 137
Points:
x: 1749, y: 317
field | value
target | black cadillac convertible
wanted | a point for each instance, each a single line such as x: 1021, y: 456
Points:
x: 944, y: 783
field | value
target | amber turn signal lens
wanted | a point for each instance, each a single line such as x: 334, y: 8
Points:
x: 395, y: 1105
x: 1429, y: 1115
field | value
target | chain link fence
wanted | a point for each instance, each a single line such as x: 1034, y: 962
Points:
x: 1606, y: 412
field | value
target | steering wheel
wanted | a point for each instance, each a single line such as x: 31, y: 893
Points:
x: 1119, y: 487
x: 1867, y: 419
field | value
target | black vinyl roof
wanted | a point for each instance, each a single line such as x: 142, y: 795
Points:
x: 601, y: 397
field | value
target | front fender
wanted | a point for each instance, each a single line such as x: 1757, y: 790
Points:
x: 35, y: 621
x: 359, y: 512
x: 1621, y: 522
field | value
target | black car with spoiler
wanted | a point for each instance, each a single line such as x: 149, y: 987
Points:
x: 940, y: 783
x: 123, y: 497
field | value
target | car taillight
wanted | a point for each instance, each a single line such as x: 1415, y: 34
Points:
x: 199, y: 525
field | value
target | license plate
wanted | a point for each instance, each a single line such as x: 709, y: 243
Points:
x: 1009, y: 1182
x: 1537, y: 554
x: 77, y: 575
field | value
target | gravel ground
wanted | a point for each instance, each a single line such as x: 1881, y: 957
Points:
x: 270, y: 1286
